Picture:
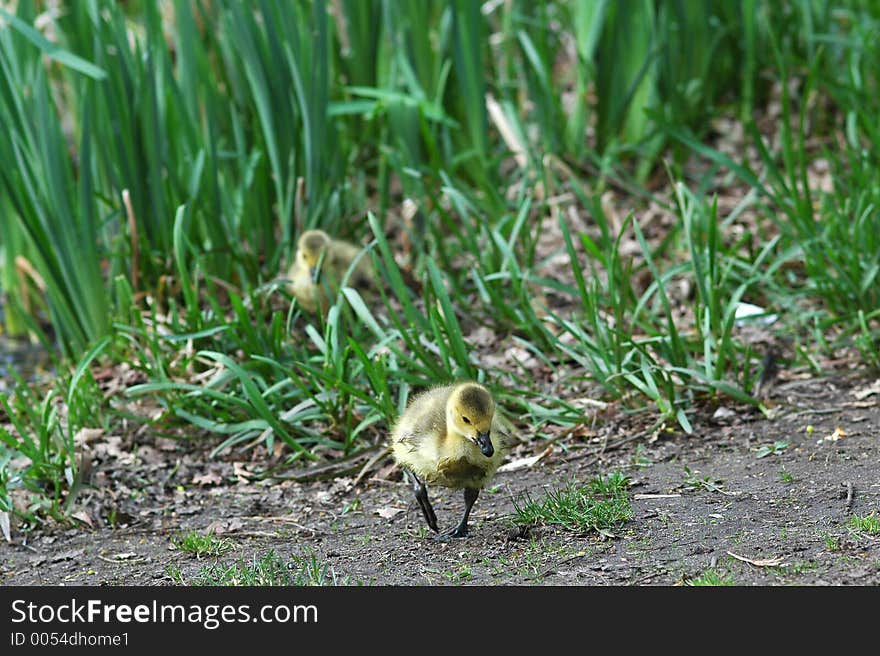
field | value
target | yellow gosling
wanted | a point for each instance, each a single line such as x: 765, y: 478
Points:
x: 450, y: 436
x: 320, y: 265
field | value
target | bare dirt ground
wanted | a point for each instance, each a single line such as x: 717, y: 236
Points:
x: 712, y: 501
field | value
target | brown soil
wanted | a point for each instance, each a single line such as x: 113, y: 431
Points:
x: 700, y: 502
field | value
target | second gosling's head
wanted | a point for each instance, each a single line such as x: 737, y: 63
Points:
x: 311, y: 246
x: 469, y: 412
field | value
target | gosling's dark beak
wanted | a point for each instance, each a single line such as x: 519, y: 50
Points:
x: 313, y: 273
x: 485, y: 444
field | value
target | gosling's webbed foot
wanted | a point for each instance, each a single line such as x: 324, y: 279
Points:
x: 457, y: 532
x: 461, y: 531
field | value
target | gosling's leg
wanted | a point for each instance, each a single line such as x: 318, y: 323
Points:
x: 422, y: 497
x: 461, y: 531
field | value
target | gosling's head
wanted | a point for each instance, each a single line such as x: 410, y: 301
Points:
x: 311, y: 247
x: 469, y: 412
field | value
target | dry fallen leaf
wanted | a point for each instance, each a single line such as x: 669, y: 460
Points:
x: 242, y: 473
x: 723, y: 415
x: 836, y: 435
x: 167, y: 444
x: 86, y: 435
x: 522, y: 463
x: 112, y: 448
x: 222, y: 526
x: 208, y: 478
x: 387, y: 512
x: 84, y: 517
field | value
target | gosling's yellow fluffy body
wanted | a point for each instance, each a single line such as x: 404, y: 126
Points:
x: 423, y: 443
x: 320, y: 265
x: 450, y: 436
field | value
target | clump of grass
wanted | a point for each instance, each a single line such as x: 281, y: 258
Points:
x: 268, y: 570
x: 200, y: 545
x: 832, y: 542
x: 867, y: 525
x: 711, y: 577
x: 602, y: 505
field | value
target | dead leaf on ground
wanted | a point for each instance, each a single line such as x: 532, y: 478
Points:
x: 242, y: 473
x: 167, y: 444
x: 208, y: 478
x: 225, y: 526
x: 522, y: 463
x: 84, y: 517
x: 836, y: 435
x: 723, y: 415
x: 482, y: 337
x: 112, y: 447
x: 85, y: 435
x: 323, y: 496
x: 387, y: 512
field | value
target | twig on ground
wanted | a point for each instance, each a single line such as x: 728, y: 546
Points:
x: 283, y: 520
x: 822, y: 411
x: 765, y: 562
x: 123, y: 558
x: 256, y: 534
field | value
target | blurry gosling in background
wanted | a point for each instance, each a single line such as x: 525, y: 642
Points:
x: 450, y: 436
x: 320, y: 265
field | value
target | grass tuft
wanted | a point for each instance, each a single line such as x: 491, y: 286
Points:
x: 712, y: 578
x: 267, y: 570
x: 199, y: 545
x: 603, y: 505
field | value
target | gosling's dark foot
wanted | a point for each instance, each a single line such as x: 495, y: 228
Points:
x: 457, y: 532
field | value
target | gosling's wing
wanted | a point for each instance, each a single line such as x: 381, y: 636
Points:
x: 408, y: 439
x: 423, y: 420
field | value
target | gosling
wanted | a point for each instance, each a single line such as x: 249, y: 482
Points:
x: 320, y: 266
x: 450, y: 436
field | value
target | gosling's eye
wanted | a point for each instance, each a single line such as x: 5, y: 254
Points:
x: 465, y: 419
